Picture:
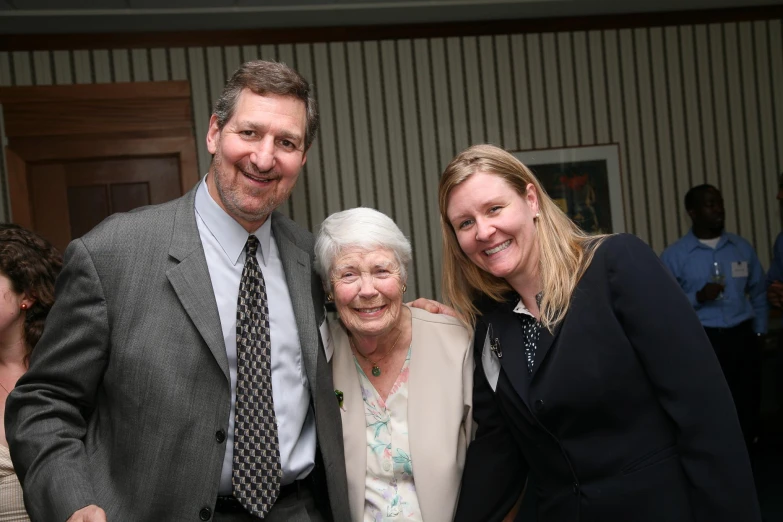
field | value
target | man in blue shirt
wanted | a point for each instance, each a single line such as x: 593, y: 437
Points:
x: 724, y: 281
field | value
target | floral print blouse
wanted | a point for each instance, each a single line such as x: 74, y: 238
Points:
x: 390, y: 491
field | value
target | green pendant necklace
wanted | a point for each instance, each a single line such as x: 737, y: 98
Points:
x: 376, y: 371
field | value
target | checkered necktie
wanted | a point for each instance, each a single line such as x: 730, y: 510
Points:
x: 256, y: 472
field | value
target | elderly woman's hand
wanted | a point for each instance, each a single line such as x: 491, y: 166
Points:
x: 432, y: 307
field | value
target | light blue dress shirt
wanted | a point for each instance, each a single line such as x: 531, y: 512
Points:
x: 224, y: 241
x: 690, y: 262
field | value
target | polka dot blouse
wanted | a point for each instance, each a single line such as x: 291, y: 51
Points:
x: 530, y: 330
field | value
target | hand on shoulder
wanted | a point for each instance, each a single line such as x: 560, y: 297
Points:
x: 775, y: 294
x: 433, y: 307
x: 91, y: 513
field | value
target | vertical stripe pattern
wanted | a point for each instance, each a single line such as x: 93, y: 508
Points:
x: 687, y: 105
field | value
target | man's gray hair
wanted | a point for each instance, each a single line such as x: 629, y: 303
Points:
x: 264, y: 78
x: 363, y: 228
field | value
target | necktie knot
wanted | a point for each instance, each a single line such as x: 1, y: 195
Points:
x: 251, y: 246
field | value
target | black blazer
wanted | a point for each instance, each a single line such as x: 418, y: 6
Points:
x: 626, y: 417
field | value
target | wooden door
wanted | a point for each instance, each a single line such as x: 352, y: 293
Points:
x: 120, y: 147
x: 70, y: 198
x: 63, y: 190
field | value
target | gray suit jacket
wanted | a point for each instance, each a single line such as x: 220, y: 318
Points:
x: 129, y: 384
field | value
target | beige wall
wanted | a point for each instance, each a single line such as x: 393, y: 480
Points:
x: 686, y: 104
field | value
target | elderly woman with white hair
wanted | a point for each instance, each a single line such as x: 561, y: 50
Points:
x: 403, y: 376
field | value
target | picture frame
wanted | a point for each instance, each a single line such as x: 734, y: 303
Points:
x: 585, y: 182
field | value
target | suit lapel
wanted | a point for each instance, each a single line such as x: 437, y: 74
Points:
x: 422, y: 437
x: 298, y: 274
x: 507, y: 330
x: 545, y: 342
x: 190, y: 279
x: 307, y: 302
x: 346, y: 379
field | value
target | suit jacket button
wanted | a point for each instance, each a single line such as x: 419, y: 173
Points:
x: 576, y: 488
x: 220, y: 436
x: 539, y: 405
x: 205, y: 514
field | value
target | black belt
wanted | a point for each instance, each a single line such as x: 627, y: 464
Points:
x: 744, y: 325
x: 229, y: 503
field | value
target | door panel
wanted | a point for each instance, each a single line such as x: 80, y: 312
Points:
x: 88, y: 191
x: 49, y: 202
x: 87, y: 206
x: 109, y: 148
x: 127, y: 196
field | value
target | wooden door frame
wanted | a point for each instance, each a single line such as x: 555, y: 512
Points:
x: 100, y: 121
x: 23, y: 150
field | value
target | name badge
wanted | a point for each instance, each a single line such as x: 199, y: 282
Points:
x: 739, y: 269
x: 490, y: 362
x: 326, y: 338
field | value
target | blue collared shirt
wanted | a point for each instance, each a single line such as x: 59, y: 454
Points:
x: 744, y: 297
x: 224, y: 241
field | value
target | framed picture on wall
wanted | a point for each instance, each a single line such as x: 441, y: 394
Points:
x: 584, y: 181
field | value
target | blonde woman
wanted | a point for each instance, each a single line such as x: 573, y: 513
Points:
x: 593, y: 374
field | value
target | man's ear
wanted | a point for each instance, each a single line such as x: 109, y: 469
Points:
x: 213, y: 135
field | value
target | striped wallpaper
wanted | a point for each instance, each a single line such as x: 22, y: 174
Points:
x: 686, y: 104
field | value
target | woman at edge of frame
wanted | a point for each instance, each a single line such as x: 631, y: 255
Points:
x: 593, y: 373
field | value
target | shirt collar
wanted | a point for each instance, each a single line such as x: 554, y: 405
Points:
x: 230, y: 235
x: 520, y: 308
x: 693, y: 241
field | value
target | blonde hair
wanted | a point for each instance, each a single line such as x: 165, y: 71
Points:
x: 565, y: 250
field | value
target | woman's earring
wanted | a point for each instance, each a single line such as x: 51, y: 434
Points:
x: 404, y: 288
x: 329, y: 298
x: 24, y: 306
x: 538, y: 214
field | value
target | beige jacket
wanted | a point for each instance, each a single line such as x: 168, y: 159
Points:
x: 440, y: 398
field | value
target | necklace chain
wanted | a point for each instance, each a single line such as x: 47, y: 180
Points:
x: 376, y: 370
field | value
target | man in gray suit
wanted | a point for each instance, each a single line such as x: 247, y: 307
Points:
x: 181, y: 376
